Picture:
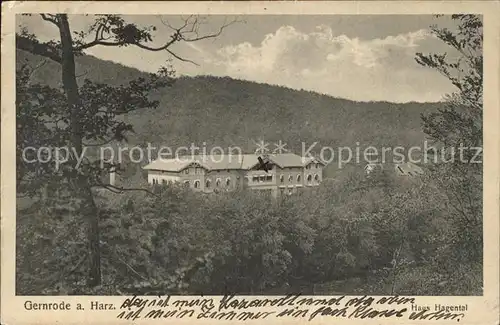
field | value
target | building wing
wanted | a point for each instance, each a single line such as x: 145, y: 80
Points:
x: 173, y: 165
x: 229, y: 162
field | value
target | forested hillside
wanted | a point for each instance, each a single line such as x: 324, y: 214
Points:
x: 225, y: 111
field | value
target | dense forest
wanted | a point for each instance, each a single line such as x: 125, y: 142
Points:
x: 353, y: 234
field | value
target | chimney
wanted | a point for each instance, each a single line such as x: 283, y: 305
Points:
x: 112, y: 176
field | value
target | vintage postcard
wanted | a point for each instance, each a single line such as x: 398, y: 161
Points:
x: 227, y: 162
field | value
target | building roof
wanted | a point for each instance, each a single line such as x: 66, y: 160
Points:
x: 219, y: 162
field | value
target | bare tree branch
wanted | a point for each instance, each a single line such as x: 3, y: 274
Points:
x: 120, y: 190
x: 33, y: 70
x: 130, y: 267
x: 181, y: 58
x: 189, y: 27
x: 50, y: 18
x: 214, y: 35
x: 83, y: 74
x: 99, y: 42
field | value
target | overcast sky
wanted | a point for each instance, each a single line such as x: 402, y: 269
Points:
x: 357, y: 57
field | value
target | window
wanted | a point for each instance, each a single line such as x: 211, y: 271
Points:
x: 308, y: 166
x: 316, y: 178
x: 290, y: 178
x: 207, y: 183
x: 196, y: 184
x: 282, y: 178
x: 309, y: 178
x: 255, y: 179
x: 263, y: 178
x: 163, y: 181
x: 298, y: 178
x: 228, y: 182
x: 269, y: 178
x: 186, y: 171
x: 217, y: 182
x: 186, y: 183
x: 317, y: 165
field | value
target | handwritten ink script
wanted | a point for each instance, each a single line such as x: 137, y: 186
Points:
x: 231, y: 307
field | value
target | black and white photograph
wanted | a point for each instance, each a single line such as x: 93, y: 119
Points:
x: 248, y: 154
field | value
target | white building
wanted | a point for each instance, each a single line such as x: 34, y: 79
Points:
x: 286, y: 172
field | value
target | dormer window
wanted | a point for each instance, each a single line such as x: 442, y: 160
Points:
x: 290, y: 178
x: 316, y: 178
x: 196, y: 184
x: 282, y: 178
x: 309, y: 178
x: 207, y: 183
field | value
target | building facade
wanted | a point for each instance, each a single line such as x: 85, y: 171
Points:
x: 285, y: 173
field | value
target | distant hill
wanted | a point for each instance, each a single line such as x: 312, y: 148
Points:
x: 225, y: 111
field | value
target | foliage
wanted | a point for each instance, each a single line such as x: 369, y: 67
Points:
x: 84, y: 114
x: 181, y: 242
x: 460, y: 124
x: 44, y: 122
x: 40, y: 117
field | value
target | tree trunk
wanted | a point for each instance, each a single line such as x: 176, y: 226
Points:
x: 82, y: 188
